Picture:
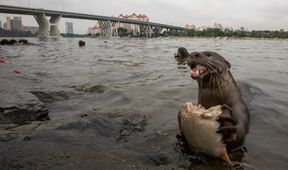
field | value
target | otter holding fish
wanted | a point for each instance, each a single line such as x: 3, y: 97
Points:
x: 218, y: 87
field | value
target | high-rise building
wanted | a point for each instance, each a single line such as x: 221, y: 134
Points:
x: 16, y: 24
x: 69, y: 27
x: 7, y: 24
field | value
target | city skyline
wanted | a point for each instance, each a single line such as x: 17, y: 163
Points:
x: 256, y: 15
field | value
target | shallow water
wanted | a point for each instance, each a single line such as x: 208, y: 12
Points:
x: 119, y: 100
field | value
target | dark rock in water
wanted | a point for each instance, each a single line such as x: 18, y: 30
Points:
x: 99, y: 125
x: 92, y: 89
x: 81, y: 43
x: 83, y: 115
x: 4, y: 42
x: 12, y: 42
x: 51, y: 96
x: 158, y: 159
x: 133, y: 124
x: 21, y: 107
x: 27, y: 138
x: 4, y: 137
x: 23, y: 41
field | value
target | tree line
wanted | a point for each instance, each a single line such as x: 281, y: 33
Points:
x: 217, y: 32
x: 209, y: 32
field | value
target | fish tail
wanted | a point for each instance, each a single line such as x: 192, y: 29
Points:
x: 225, y: 157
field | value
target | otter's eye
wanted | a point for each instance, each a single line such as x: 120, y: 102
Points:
x: 197, y: 55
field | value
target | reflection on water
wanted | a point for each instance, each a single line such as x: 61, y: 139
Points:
x: 131, y: 89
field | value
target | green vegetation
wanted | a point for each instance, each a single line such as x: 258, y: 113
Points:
x: 74, y: 35
x: 5, y: 33
x: 122, y: 31
x: 216, y: 32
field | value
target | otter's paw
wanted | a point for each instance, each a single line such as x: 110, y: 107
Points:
x: 227, y: 126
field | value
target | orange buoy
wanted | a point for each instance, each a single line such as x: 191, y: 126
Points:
x: 16, y: 71
x: 2, y: 61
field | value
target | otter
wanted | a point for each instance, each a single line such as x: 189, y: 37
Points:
x: 81, y: 43
x: 15, y: 42
x: 4, y: 42
x: 216, y: 86
x: 23, y: 41
x: 181, y: 55
x: 12, y: 42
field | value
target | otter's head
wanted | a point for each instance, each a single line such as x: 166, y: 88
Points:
x: 181, y: 55
x: 206, y: 64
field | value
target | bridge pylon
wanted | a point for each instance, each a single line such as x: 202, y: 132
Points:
x: 54, y: 25
x: 48, y: 28
x: 108, y: 28
x: 146, y: 30
x: 43, y: 25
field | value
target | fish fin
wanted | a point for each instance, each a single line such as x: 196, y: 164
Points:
x: 207, y: 115
x: 225, y: 157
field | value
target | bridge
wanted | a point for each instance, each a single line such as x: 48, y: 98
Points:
x: 107, y: 24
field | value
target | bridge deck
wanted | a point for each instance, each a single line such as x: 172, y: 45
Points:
x: 35, y: 11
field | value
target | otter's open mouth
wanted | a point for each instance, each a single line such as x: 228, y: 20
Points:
x: 197, y: 71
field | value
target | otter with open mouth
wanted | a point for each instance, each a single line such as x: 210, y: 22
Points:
x: 218, y: 87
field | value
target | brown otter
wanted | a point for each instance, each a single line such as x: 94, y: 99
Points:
x: 81, y: 43
x: 4, y: 42
x: 23, y: 41
x: 12, y: 42
x: 218, y: 87
x: 181, y: 55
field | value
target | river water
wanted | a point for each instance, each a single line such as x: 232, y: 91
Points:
x: 113, y: 103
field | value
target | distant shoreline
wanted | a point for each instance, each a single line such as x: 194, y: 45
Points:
x: 188, y: 37
x: 207, y: 33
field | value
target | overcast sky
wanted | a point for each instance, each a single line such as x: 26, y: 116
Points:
x: 251, y: 14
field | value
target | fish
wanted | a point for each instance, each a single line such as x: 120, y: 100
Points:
x: 199, y: 127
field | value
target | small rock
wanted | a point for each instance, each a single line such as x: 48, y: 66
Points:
x: 27, y: 138
x: 8, y: 137
x: 160, y: 159
x: 83, y: 115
